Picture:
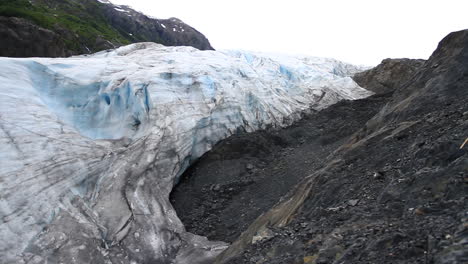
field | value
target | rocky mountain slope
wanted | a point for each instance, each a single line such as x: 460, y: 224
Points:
x: 377, y: 180
x: 57, y: 28
x: 389, y: 74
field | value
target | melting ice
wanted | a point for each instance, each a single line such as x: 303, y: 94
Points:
x: 92, y: 145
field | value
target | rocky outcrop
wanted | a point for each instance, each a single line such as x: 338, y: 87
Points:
x: 56, y: 28
x: 394, y: 192
x: 388, y: 75
x: 22, y: 38
x: 138, y: 27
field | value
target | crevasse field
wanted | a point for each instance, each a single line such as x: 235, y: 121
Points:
x: 92, y: 145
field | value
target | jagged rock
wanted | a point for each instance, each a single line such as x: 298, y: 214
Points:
x: 353, y: 202
x: 263, y: 235
x: 389, y: 75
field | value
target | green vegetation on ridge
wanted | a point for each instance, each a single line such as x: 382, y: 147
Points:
x: 81, y: 24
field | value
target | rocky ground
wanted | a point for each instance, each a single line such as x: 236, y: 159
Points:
x: 379, y: 180
x: 245, y: 175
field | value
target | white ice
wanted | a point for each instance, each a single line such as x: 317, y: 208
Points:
x: 92, y: 145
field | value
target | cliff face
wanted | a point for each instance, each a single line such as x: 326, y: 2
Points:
x: 388, y: 75
x: 56, y: 28
x: 22, y: 38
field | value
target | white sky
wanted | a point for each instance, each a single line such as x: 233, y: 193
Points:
x: 359, y: 31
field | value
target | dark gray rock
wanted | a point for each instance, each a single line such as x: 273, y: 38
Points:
x: 416, y: 213
x: 138, y: 27
x: 261, y: 167
x: 388, y: 75
x: 22, y: 38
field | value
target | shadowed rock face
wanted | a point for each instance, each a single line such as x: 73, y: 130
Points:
x: 95, y: 26
x: 22, y: 38
x: 388, y: 75
x: 394, y: 192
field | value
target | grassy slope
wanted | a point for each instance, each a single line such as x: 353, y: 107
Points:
x: 84, y: 21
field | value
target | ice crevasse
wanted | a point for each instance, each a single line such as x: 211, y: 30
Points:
x: 92, y: 145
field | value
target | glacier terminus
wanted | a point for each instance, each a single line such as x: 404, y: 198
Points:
x: 93, y: 145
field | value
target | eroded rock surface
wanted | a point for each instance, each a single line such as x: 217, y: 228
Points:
x: 388, y: 75
x: 22, y: 38
x: 394, y: 192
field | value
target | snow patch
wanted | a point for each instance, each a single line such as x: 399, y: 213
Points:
x: 121, y: 10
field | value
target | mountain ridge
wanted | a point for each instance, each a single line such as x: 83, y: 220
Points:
x: 59, y: 28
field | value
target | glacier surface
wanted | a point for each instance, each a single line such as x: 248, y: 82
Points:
x: 92, y: 145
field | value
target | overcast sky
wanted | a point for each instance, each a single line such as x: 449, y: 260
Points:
x: 359, y: 31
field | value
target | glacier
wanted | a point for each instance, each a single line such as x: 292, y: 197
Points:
x: 93, y: 145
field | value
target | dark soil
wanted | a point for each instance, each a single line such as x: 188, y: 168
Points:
x: 401, y: 198
x: 396, y: 192
x: 245, y: 175
x: 379, y: 180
